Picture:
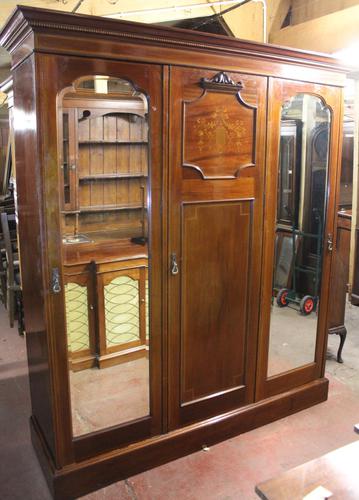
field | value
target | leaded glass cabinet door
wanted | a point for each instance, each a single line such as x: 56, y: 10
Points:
x: 80, y: 326
x: 124, y: 330
x: 109, y: 138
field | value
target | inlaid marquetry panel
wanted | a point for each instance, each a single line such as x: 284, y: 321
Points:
x: 214, y: 296
x: 219, y: 130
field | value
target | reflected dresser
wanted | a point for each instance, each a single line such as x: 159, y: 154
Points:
x: 162, y: 177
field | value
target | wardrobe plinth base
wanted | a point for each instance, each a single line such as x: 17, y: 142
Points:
x: 80, y: 478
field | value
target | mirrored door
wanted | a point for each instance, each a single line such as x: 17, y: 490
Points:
x: 105, y: 228
x: 300, y: 238
x: 106, y: 128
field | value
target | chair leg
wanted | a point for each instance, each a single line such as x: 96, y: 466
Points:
x: 343, y: 335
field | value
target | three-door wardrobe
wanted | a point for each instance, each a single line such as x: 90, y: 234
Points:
x: 176, y: 198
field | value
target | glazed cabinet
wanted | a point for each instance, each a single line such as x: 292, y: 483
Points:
x: 177, y: 199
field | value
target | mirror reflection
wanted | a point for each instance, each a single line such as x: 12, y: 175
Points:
x: 301, y: 204
x: 103, y: 145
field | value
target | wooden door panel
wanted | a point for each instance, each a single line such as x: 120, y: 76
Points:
x: 216, y: 200
x: 213, y: 295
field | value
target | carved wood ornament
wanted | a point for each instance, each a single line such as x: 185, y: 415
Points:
x: 221, y: 82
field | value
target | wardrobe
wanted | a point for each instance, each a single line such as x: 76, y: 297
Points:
x: 148, y: 165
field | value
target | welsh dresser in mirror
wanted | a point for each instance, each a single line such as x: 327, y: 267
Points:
x: 170, y: 185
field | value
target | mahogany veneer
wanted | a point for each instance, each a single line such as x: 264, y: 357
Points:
x: 214, y: 127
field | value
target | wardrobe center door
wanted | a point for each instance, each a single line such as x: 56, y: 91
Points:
x: 217, y: 134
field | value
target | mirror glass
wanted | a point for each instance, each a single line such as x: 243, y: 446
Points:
x: 104, y: 165
x: 300, y: 218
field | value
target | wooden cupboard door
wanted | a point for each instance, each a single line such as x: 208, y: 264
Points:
x: 80, y: 319
x: 217, y: 140
x: 123, y: 311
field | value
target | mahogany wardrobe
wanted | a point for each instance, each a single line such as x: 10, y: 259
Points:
x: 176, y: 203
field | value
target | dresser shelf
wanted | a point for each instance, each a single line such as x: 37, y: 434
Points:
x: 101, y: 177
x: 104, y: 208
x: 132, y: 143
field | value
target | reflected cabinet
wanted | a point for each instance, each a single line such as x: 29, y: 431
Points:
x: 177, y: 197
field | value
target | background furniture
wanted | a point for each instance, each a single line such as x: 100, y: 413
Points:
x: 289, y: 172
x: 4, y: 145
x: 204, y: 227
x: 355, y: 285
x: 104, y: 162
x: 336, y: 472
x: 104, y: 190
x: 10, y: 281
x: 301, y: 199
x: 91, y: 271
x: 13, y: 295
x: 346, y: 176
x: 339, y: 280
x: 7, y: 209
x: 340, y: 270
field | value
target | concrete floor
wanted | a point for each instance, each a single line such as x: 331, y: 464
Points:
x: 228, y: 471
x: 348, y: 372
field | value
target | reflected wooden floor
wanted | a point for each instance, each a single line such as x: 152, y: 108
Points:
x: 101, y: 398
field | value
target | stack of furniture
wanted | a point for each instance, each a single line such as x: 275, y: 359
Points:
x: 10, y: 271
x: 10, y: 281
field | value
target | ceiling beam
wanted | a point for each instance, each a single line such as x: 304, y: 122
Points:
x: 328, y: 33
x: 306, y: 10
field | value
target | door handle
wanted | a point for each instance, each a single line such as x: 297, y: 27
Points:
x: 330, y: 242
x: 174, y: 265
x: 55, y: 280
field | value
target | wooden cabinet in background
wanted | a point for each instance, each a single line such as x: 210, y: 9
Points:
x: 355, y: 285
x: 147, y: 166
x: 104, y: 165
x: 99, y: 294
x: 289, y: 173
x: 339, y: 280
